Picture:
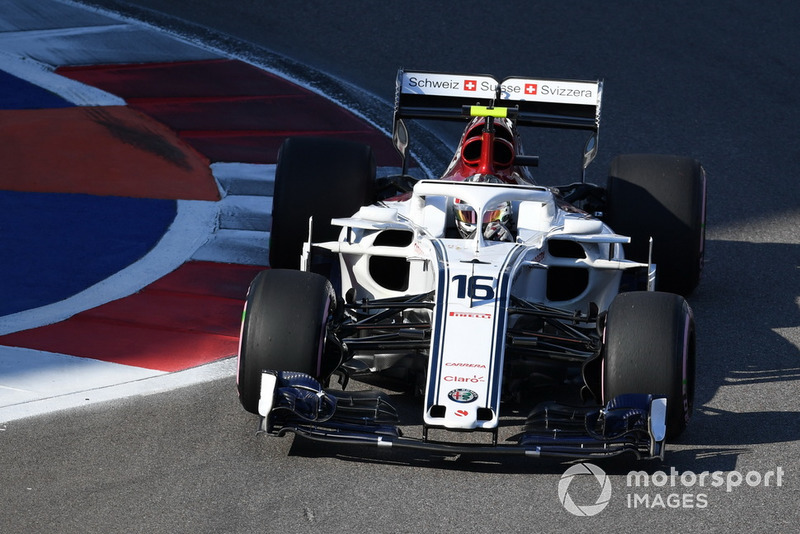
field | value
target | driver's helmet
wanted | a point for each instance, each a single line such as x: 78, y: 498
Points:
x: 496, y: 221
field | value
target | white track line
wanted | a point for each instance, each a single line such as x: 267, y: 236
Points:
x: 43, y: 76
x: 100, y: 382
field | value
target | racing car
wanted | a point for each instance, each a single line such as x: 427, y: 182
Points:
x: 478, y: 288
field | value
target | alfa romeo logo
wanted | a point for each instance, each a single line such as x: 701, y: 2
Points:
x: 602, y: 480
x: 462, y: 395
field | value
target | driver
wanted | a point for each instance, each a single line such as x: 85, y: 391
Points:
x: 496, y: 221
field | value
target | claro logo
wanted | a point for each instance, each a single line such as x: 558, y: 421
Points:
x: 474, y: 379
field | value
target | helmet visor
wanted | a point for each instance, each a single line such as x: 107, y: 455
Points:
x: 466, y: 213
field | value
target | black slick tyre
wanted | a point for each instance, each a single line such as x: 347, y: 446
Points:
x: 283, y: 329
x: 649, y: 347
x: 319, y: 177
x: 663, y: 197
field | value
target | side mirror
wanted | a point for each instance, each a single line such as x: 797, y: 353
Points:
x: 400, y: 140
x: 589, y: 150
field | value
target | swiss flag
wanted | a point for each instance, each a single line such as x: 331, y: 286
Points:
x: 470, y: 85
x: 531, y: 88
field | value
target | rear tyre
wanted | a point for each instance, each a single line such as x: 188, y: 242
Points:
x: 283, y: 329
x: 663, y: 197
x: 319, y: 177
x: 649, y: 347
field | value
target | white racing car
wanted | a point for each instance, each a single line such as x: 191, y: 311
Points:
x: 480, y: 288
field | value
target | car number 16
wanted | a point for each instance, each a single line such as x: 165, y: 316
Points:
x: 475, y: 287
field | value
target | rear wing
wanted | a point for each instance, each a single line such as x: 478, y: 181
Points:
x: 567, y: 104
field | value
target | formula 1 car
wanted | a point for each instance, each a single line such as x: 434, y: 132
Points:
x: 479, y: 287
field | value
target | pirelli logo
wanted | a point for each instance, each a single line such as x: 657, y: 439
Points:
x: 471, y: 315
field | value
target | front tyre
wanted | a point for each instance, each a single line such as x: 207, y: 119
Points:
x: 649, y: 347
x: 283, y: 329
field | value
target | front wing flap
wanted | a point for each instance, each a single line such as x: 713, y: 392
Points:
x: 297, y: 403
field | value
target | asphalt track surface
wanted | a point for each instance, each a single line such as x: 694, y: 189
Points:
x: 695, y: 79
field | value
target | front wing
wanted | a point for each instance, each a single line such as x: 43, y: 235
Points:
x: 297, y: 403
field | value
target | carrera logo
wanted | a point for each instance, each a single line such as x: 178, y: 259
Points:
x: 531, y: 88
x: 464, y: 364
x: 470, y: 85
x: 471, y: 315
x: 462, y: 396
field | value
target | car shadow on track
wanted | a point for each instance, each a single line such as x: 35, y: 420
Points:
x: 748, y: 335
x: 748, y: 354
